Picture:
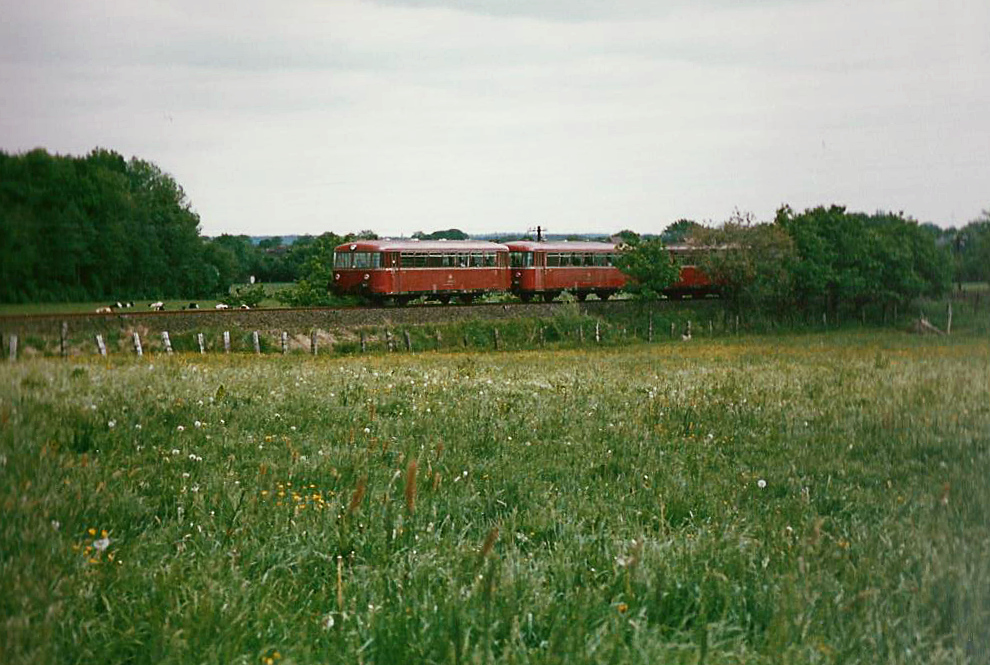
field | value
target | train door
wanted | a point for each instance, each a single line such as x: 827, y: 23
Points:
x: 393, y: 263
x: 539, y: 268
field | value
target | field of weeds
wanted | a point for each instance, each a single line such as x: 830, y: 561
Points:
x: 803, y: 498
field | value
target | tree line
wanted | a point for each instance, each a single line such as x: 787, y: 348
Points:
x: 823, y: 259
x: 100, y: 227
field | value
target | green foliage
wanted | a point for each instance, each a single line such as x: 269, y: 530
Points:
x: 680, y: 231
x: 853, y: 258
x: 649, y: 267
x: 748, y: 261
x: 449, y: 234
x: 245, y: 295
x: 97, y: 227
x: 970, y: 248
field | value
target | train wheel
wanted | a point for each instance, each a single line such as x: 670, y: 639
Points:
x: 526, y: 297
x: 581, y: 296
x: 549, y: 296
x: 466, y: 298
x: 402, y: 301
x: 444, y: 300
x: 604, y: 295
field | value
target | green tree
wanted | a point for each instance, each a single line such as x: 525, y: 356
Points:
x: 749, y: 261
x: 680, y: 231
x: 650, y: 269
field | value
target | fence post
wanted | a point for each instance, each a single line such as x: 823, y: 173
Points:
x: 364, y: 343
x: 495, y: 336
x: 711, y: 328
x: 737, y: 324
x: 12, y: 348
x: 226, y: 341
x: 649, y: 334
x: 543, y: 337
x: 598, y: 332
x: 257, y: 342
x: 581, y: 334
x: 408, y: 340
x: 137, y: 345
x: 439, y: 339
x: 201, y: 342
x: 313, y: 341
x: 63, y: 340
x: 948, y: 324
x: 285, y: 342
x: 167, y: 342
x: 388, y: 340
x: 672, y: 330
x: 100, y: 346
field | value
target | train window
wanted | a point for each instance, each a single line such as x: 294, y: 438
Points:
x: 553, y: 260
x: 521, y: 259
x: 434, y: 261
x: 341, y: 260
x: 490, y: 259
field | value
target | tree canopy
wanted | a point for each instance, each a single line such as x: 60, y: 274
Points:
x: 95, y: 227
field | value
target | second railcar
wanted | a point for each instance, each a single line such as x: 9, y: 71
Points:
x: 401, y: 270
x: 546, y: 269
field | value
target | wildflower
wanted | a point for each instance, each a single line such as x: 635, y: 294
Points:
x: 761, y: 483
x: 367, y: 430
x: 101, y: 544
x: 622, y: 607
x: 198, y: 424
x: 175, y: 451
x: 111, y: 424
x: 138, y: 426
x: 181, y: 428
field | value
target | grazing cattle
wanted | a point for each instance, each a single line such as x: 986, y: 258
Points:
x: 104, y: 310
x: 221, y: 305
x: 243, y: 306
x: 130, y: 303
x: 118, y: 305
x: 193, y: 305
x: 157, y: 306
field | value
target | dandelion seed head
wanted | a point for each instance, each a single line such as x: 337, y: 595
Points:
x: 761, y: 483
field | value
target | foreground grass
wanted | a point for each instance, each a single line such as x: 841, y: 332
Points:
x: 791, y: 499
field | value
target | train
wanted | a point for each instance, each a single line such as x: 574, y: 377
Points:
x: 399, y: 271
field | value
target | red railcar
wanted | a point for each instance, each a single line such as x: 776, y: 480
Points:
x: 400, y: 270
x: 545, y: 269
x: 692, y: 281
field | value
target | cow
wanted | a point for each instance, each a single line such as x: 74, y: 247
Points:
x: 157, y: 306
x: 193, y: 305
x: 104, y: 310
x: 221, y: 305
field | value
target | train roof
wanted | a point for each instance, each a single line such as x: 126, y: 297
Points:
x: 421, y: 246
x: 576, y: 246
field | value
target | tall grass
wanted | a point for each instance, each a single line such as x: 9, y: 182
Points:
x: 814, y: 498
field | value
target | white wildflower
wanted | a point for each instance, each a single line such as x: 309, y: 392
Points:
x: 761, y: 483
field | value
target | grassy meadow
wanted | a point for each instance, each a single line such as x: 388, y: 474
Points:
x: 805, y: 498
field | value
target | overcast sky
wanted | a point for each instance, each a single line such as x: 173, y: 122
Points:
x: 489, y: 115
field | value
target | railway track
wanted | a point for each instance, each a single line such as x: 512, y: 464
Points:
x: 295, y: 318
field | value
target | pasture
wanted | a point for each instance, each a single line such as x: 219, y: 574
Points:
x: 815, y: 498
